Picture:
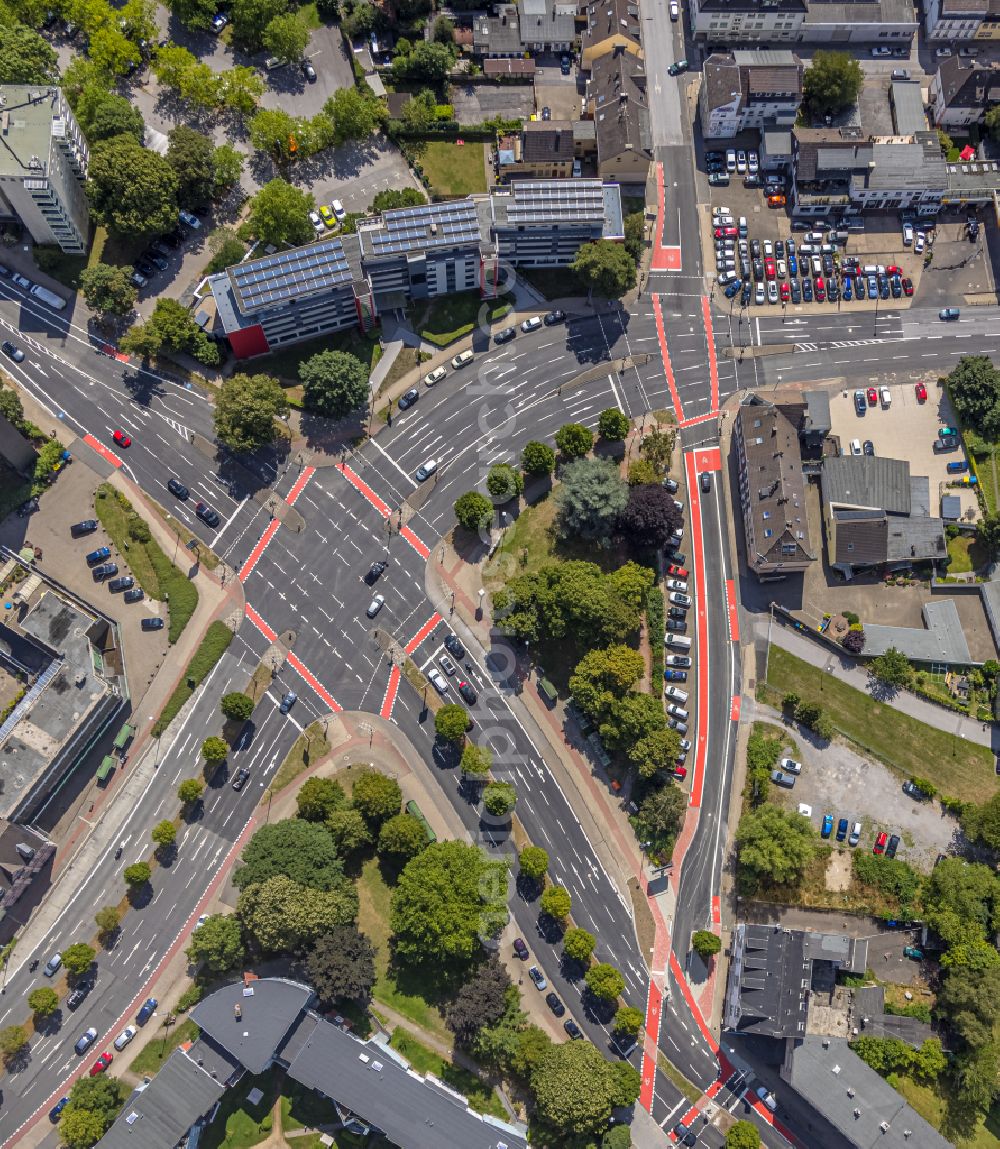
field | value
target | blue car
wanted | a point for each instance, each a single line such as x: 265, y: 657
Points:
x: 56, y: 1109
x: 793, y: 266
x: 841, y: 829
x: 732, y: 289
x: 848, y: 289
x: 146, y: 1012
x: 675, y: 675
x: 98, y: 556
x: 827, y: 826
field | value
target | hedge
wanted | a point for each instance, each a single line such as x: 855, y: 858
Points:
x: 213, y: 646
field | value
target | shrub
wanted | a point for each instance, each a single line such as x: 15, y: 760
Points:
x: 705, y: 944
x: 190, y: 997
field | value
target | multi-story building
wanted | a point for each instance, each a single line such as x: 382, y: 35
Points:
x: 749, y: 90
x: 948, y: 20
x: 43, y: 166
x: 616, y: 102
x: 611, y: 24
x: 528, y: 26
x: 772, y: 491
x: 963, y: 91
x: 412, y: 253
x: 542, y: 150
x: 890, y: 22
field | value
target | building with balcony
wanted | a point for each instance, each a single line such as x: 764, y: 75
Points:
x: 889, y: 22
x: 949, y: 20
x: 749, y: 90
x: 962, y: 91
x: 43, y: 166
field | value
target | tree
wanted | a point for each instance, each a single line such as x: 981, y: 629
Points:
x: 659, y: 750
x: 286, y: 37
x: 961, y: 901
x: 482, y: 1000
x: 349, y: 831
x: 590, y: 500
x: 227, y: 167
x: 477, y: 761
x: 132, y: 190
x: 991, y: 122
x: 13, y: 1039
x: 194, y: 13
x: 444, y: 30
x: 251, y: 18
x: 628, y: 1020
x: 217, y: 944
x: 10, y: 407
x: 392, y: 198
x: 402, y: 837
x: 499, y: 799
x: 164, y: 834
x: 617, y: 1137
x: 854, y: 641
x: 661, y: 814
x: 108, y: 290
x: 426, y: 62
x: 658, y: 448
x: 192, y: 156
x: 743, y: 1135
x: 273, y: 130
x: 78, y: 958
x: 43, y: 1002
x: 556, y: 902
x: 605, y: 268
x: 237, y: 706
x: 831, y: 83
x: 175, y: 329
x: 451, y: 722
x: 214, y: 750
x: 642, y: 471
x: 650, y: 516
x: 279, y: 214
x: 574, y: 440
x: 227, y: 249
x: 974, y: 387
x: 81, y: 1128
x: 705, y: 944
x: 107, y: 919
x: 891, y: 668
x: 578, y: 944
x: 245, y: 411
x: 575, y: 1088
x: 318, y: 798
x: 301, y: 851
x: 504, y: 482
x: 774, y: 845
x: 989, y: 534
x: 94, y: 1103
x: 474, y: 511
x: 282, y: 915
x: 143, y: 340
x: 103, y: 114
x: 341, y: 966
x: 604, y: 981
x: 355, y: 116
x: 447, y: 898
x: 632, y: 719
x: 190, y: 790
x: 138, y: 874
x: 635, y: 235
x: 533, y: 862
x: 612, y: 425
x: 334, y: 383
x: 604, y: 676
x: 25, y: 58
x: 537, y: 458
x: 376, y: 796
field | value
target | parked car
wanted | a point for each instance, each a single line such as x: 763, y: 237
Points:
x: 146, y: 1011
x: 104, y: 571
x: 790, y: 766
x: 553, y: 1001
x: 892, y: 846
x: 913, y: 952
x: 842, y: 826
x: 521, y: 949
x: 435, y: 376
x: 880, y: 843
x: 855, y: 835
x: 780, y: 779
x: 152, y: 624
x: 762, y: 1090
x: 827, y: 828
x: 537, y: 977
x: 407, y: 399
x: 125, y: 1037
x: 375, y: 571
x: 84, y: 527
x: 375, y: 605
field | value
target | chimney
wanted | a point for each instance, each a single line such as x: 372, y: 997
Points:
x: 237, y: 1012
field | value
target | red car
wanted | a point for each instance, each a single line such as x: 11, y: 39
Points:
x: 676, y: 572
x: 907, y: 287
x: 893, y: 270
x: 880, y: 841
x: 725, y: 232
x: 786, y: 293
x: 872, y: 397
x: 921, y: 393
x: 106, y: 1058
x: 819, y: 288
x: 769, y: 268
x: 122, y: 439
x: 679, y: 773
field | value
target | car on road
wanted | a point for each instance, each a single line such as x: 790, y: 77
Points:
x: 949, y: 313
x: 913, y: 952
x: 288, y: 700
x: 407, y: 399
x: 135, y: 594
x: 572, y: 1029
x: 79, y: 994
x: 685, y: 1135
x: 505, y: 335
x: 448, y: 666
x: 125, y: 1037
x: 554, y: 317
x: 98, y: 556
x: 241, y: 777
x: 309, y: 71
x: 121, y: 438
x: 125, y: 582
x: 880, y: 843
x: 453, y: 645
x: 85, y: 1040
x: 102, y: 1063
x: 375, y: 571
x: 677, y: 68
x: 57, y: 1109
x: 435, y: 376
x: 675, y: 11
x: 780, y: 779
x: 467, y: 693
x: 177, y: 489
x: 855, y: 835
x: 105, y: 570
x: 375, y: 605
x: 892, y: 846
x: 537, y: 977
x: 921, y: 391
x: 83, y: 527
x: 426, y: 469
x: 762, y: 1090
x: 790, y: 766
x: 146, y: 1011
x: 552, y: 1000
x: 827, y: 828
x: 152, y: 624
x: 680, y: 660
x: 207, y: 514
x: 22, y: 281
x: 438, y: 680
x: 12, y: 351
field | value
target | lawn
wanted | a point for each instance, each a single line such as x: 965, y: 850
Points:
x: 213, y: 646
x: 965, y: 554
x: 481, y: 1096
x: 553, y: 283
x: 147, y: 1061
x: 239, y: 1125
x: 373, y: 920
x: 959, y: 768
x: 310, y: 746
x: 408, y: 359
x: 453, y: 169
x: 302, y: 1108
x: 284, y: 364
x: 153, y: 571
x: 449, y: 317
x: 932, y: 1104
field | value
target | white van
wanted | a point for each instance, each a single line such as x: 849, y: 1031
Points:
x: 886, y: 396
x: 532, y: 324
x: 48, y: 297
x: 678, y: 641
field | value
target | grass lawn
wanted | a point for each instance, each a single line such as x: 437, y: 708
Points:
x: 301, y: 1107
x: 213, y: 646
x: 932, y: 1103
x: 481, y: 1096
x: 452, y: 170
x: 966, y: 554
x: 284, y: 364
x: 449, y: 317
x: 406, y: 361
x: 310, y: 746
x: 373, y: 920
x: 150, y: 1059
x: 153, y: 571
x: 960, y: 769
x: 238, y: 1125
x: 553, y: 283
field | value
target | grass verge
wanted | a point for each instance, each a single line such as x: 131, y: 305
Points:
x: 449, y: 317
x: 959, y: 768
x: 553, y: 283
x: 303, y: 1108
x: 213, y: 646
x: 409, y: 359
x: 452, y: 170
x: 147, y: 1061
x: 481, y: 1096
x: 153, y: 571
x: 284, y: 364
x: 690, y: 1090
x: 310, y: 747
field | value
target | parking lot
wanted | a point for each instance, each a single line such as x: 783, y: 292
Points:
x: 474, y: 103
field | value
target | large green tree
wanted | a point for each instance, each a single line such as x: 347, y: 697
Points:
x: 237, y: 706
x: 279, y: 215
x: 473, y: 511
x: 743, y: 1135
x: 78, y: 958
x: 390, y: 198
x: 426, y: 62
x: 245, y: 411
x: 294, y: 848
x: 481, y: 1000
x: 604, y: 981
x: 349, y: 831
x: 43, y: 1002
x: 658, y: 750
x: 108, y: 289
x: 603, y: 677
x: 589, y: 500
x: 192, y: 156
x: 650, y: 516
x: 962, y: 901
x: 334, y: 383
x: 217, y: 944
x: 286, y: 37
x: 774, y: 845
x: 974, y: 387
x: 94, y: 1103
x: 401, y: 838
x: 282, y: 915
x: 537, y: 458
x: 890, y: 669
x: 25, y: 58
x: 251, y: 18
x: 575, y: 1088
x: 103, y: 114
x: 451, y: 722
x: 195, y: 14
x: 341, y: 965
x: 605, y: 268
x: 376, y: 796
x: 661, y: 814
x: 132, y: 190
x: 831, y: 83
x: 319, y: 797
x: 574, y: 440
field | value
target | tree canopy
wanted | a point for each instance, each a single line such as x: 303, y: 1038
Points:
x: 504, y: 482
x: 974, y: 387
x: 192, y: 156
x: 237, y: 706
x: 574, y: 440
x: 299, y: 850
x: 245, y: 411
x: 533, y: 863
x: 474, y: 511
x: 279, y: 214
x: 217, y: 944
x: 604, y: 981
x: 283, y: 915
x: 537, y: 458
x: 78, y: 958
x: 962, y: 901
x: 774, y: 845
x: 612, y: 425
x: 650, y: 516
x: 334, y: 383
x: 25, y: 57
x: 451, y: 722
x: 590, y: 500
x: 341, y: 965
x: 376, y: 796
x: 355, y: 116
x: 891, y: 668
x: 286, y: 37
x: 426, y: 62
x: 578, y: 944
x: 108, y: 289
x: 94, y: 1103
x: 606, y: 268
x: 481, y: 1000
x: 319, y: 797
x: 576, y: 1089
x: 103, y: 114
x: 557, y: 902
x: 402, y: 837
x: 132, y: 190
x: 831, y: 83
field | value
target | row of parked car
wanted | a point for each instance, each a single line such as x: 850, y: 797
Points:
x: 103, y: 569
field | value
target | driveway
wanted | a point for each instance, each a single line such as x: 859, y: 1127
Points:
x: 288, y: 89
x: 476, y: 102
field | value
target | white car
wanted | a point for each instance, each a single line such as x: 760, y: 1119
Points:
x: 375, y: 605
x: 907, y: 233
x: 762, y: 1091
x: 318, y: 226
x: 886, y: 396
x: 675, y: 11
x: 438, y: 681
x: 462, y: 359
x: 768, y: 248
x: 731, y: 160
x: 741, y: 163
x: 759, y: 296
x: 435, y: 376
x: 678, y: 598
x: 676, y: 694
x: 532, y: 324
x: 723, y: 210
x: 676, y: 584
x: 125, y: 1037
x: 919, y: 241
x: 790, y: 766
x: 339, y: 211
x: 727, y: 277
x: 426, y: 469
x: 781, y: 268
x: 772, y: 291
x: 685, y: 745
x: 753, y: 163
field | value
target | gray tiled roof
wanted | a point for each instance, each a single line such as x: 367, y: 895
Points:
x: 618, y: 88
x: 767, y: 991
x: 610, y: 18
x: 721, y: 78
x: 547, y: 141
x: 867, y: 481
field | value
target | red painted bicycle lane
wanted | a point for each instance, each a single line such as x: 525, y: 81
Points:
x: 395, y: 675
x: 300, y: 484
x: 383, y: 508
x: 254, y: 558
x: 104, y: 452
x: 664, y: 258
x: 668, y: 370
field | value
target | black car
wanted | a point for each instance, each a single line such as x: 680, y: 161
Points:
x: 869, y: 447
x: 156, y: 260
x: 118, y: 584
x: 83, y: 527
x: 521, y: 949
x: 207, y: 515
x: 143, y: 267
x: 896, y: 287
x: 747, y: 295
x: 453, y: 646
x: 751, y: 181
x: 76, y: 998
x: 678, y: 611
x: 408, y: 398
x: 779, y: 249
x: 796, y: 291
x: 467, y: 693
x: 177, y: 488
x: 241, y: 778
x: 105, y: 570
x: 133, y: 595
x: 554, y: 317
x: 160, y: 248
x: 152, y: 624
x: 684, y: 1135
x: 676, y: 625
x: 505, y: 336
x: 712, y: 157
x: 892, y: 846
x: 172, y: 239
x: 375, y: 571
x: 755, y: 248
x: 553, y: 1002
x: 572, y: 1029
x: 309, y: 71
x: 758, y: 270
x: 12, y: 351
